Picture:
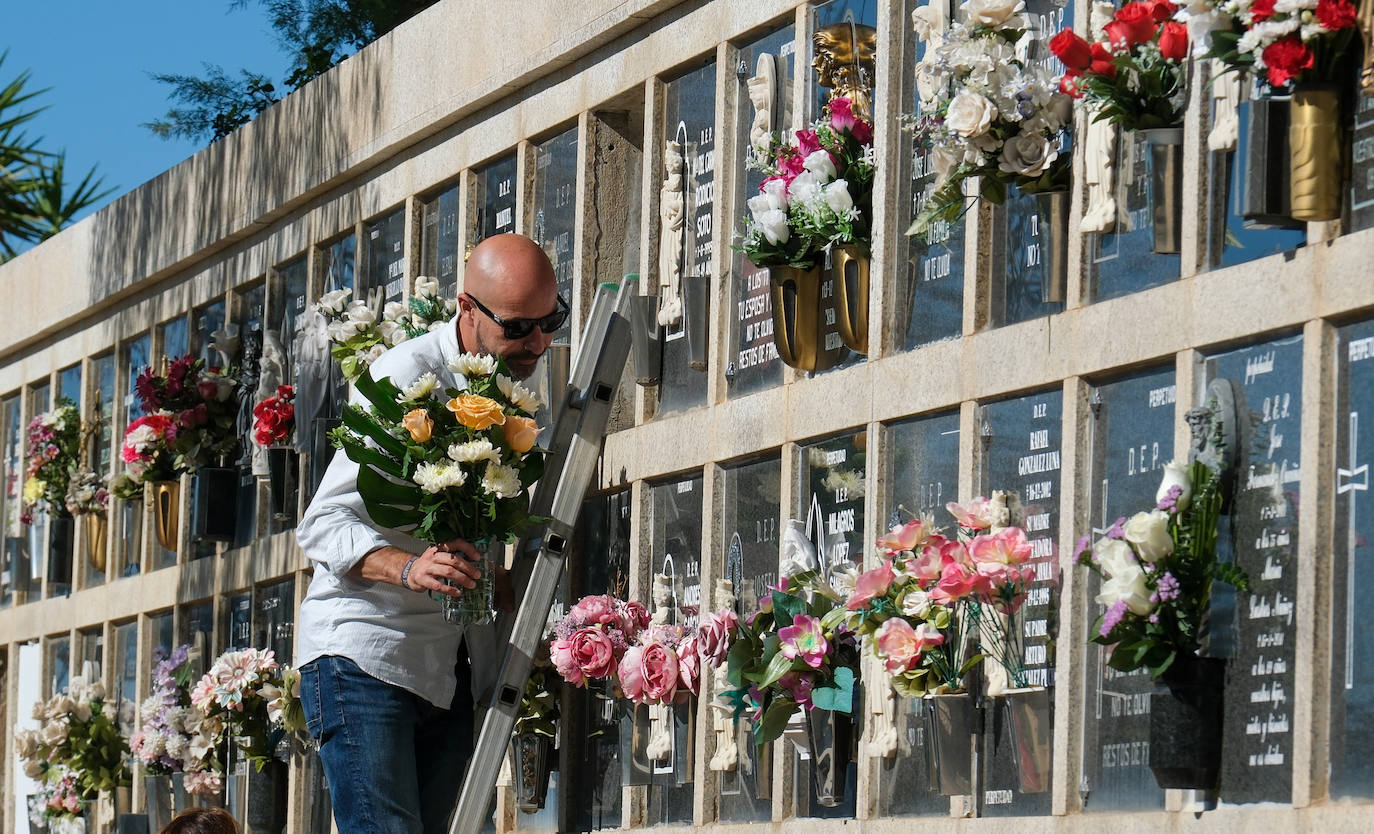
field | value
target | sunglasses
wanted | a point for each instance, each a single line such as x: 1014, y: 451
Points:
x: 520, y: 328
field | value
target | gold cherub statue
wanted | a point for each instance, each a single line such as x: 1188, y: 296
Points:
x: 844, y: 63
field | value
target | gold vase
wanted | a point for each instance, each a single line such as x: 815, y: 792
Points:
x: 798, y: 327
x: 849, y: 269
x: 97, y: 525
x: 1314, y: 136
x: 167, y: 512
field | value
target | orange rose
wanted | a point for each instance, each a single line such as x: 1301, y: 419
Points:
x: 520, y: 433
x: 476, y: 412
x: 419, y: 424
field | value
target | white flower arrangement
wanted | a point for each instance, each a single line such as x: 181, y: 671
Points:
x: 359, y: 332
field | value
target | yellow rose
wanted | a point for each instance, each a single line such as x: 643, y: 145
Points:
x: 419, y: 424
x: 476, y: 412
x: 520, y: 433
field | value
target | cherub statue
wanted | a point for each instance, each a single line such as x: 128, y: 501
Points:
x: 1225, y: 132
x: 762, y: 94
x: 672, y: 216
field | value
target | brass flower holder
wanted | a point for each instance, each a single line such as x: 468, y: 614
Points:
x: 166, y: 512
x: 849, y: 270
x: 1314, y: 137
x: 1166, y: 188
x: 798, y: 325
x: 97, y: 530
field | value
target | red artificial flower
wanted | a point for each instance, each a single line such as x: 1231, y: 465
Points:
x: 1068, y: 84
x: 1071, y: 50
x: 1102, y: 61
x: 1286, y: 58
x: 1262, y: 10
x: 1335, y: 14
x: 842, y: 119
x: 1163, y: 10
x: 1136, y: 24
x: 1173, y: 40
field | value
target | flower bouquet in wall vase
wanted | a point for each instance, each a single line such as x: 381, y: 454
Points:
x: 1132, y: 76
x: 1302, y: 46
x: 1157, y: 569
x: 52, y: 451
x: 439, y: 463
x: 990, y: 112
x: 811, y: 223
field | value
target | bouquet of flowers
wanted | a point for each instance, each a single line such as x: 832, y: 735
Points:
x: 590, y: 641
x: 1157, y: 569
x: 795, y: 651
x: 87, y: 493
x: 443, y: 463
x: 1291, y: 40
x: 1134, y: 78
x: 175, y: 737
x: 987, y: 110
x: 190, y: 420
x: 58, y: 799
x: 253, y: 698
x: 54, y: 440
x: 275, y: 417
x: 361, y: 331
x: 79, y: 738
x: 818, y: 192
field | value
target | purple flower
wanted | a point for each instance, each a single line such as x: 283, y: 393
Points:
x: 1166, y: 588
x: 1154, y: 618
x: 1085, y: 543
x: 1169, y: 502
x: 1112, y: 617
x: 1116, y: 531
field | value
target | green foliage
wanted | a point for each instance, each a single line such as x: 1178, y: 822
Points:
x: 316, y: 34
x: 36, y: 199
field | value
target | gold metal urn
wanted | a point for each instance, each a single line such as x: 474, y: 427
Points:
x: 97, y: 529
x: 799, y: 327
x: 167, y: 512
x: 849, y: 270
x: 1315, y: 139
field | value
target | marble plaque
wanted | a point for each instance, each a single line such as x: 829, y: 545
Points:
x: 384, y: 258
x: 1352, y: 644
x: 1121, y: 261
x: 1235, y: 239
x: 1261, y: 534
x: 1362, y: 164
x: 755, y: 364
x: 1024, y: 456
x: 1133, y: 423
x: 495, y: 204
x: 555, y: 203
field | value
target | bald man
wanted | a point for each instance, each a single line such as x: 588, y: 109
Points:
x: 385, y: 681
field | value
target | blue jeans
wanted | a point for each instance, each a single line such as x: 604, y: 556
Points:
x: 393, y: 760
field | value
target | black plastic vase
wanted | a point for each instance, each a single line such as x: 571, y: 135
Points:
x: 1185, y: 724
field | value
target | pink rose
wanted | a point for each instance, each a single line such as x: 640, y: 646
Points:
x: 905, y: 537
x: 808, y: 141
x: 591, y: 649
x: 689, y: 665
x: 648, y: 674
x: 633, y: 618
x: 842, y: 118
x: 870, y: 585
x: 901, y: 646
x: 958, y: 581
x: 595, y: 610
x: 935, y: 554
x: 714, y: 635
x: 976, y: 516
x: 1007, y: 546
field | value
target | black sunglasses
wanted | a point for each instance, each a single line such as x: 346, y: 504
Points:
x: 520, y: 328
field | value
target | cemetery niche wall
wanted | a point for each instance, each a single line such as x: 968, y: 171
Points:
x: 1045, y: 348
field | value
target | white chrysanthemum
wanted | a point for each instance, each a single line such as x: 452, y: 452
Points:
x: 523, y: 398
x: 176, y: 746
x: 474, y: 451
x: 422, y: 387
x: 473, y: 364
x: 436, y: 477
x: 501, y: 481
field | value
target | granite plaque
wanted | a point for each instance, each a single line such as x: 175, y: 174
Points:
x: 555, y: 204
x: 923, y: 469
x: 495, y: 203
x: 1352, y: 642
x: 756, y: 364
x: 689, y: 120
x: 1122, y: 261
x: 749, y: 511
x: 384, y: 256
x: 1362, y: 164
x: 1261, y: 534
x: 439, y: 241
x: 291, y: 307
x: 275, y: 623
x: 1133, y: 423
x: 1235, y: 239
x: 1025, y: 437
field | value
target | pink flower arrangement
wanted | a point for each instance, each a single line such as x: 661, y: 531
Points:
x: 805, y: 640
x: 248, y: 694
x: 715, y: 633
x: 190, y: 420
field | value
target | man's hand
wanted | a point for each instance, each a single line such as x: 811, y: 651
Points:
x: 453, y: 560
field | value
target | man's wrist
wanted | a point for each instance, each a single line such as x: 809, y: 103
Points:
x: 405, y: 572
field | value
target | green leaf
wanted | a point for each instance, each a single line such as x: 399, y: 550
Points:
x: 778, y: 665
x: 840, y: 696
x: 374, y: 485
x: 833, y: 618
x: 774, y: 720
x: 786, y: 607
x: 382, y: 394
x: 364, y: 455
x: 361, y: 424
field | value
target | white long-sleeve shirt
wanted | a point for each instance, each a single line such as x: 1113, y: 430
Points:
x: 394, y: 635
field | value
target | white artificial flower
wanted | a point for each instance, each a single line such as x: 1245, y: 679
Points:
x: 1115, y: 556
x: 776, y: 192
x: 758, y: 204
x: 374, y: 354
x: 1175, y: 475
x: 109, y: 710
x: 422, y: 387
x: 819, y: 163
x: 1027, y: 154
x: 54, y: 732
x: 1127, y: 585
x: 523, y: 398
x: 437, y: 325
x: 970, y: 114
x: 838, y: 198
x: 1149, y: 533
x: 991, y: 12
x: 474, y: 451
x: 334, y: 302
x: 843, y: 579
x: 61, y: 706
x: 426, y: 287
x: 81, y: 713
x: 1291, y: 6
x: 203, y: 743
x: 473, y: 364
x: 773, y: 225
x: 389, y: 330
x: 436, y: 477
x: 176, y: 745
x: 25, y: 743
x: 33, y: 768
x: 501, y: 481
x: 916, y: 603
x: 340, y: 331
x: 361, y: 316
x: 394, y: 311
x: 943, y: 159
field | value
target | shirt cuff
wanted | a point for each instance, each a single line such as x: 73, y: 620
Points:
x: 351, y: 544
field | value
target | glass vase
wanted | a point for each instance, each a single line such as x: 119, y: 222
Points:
x: 477, y: 605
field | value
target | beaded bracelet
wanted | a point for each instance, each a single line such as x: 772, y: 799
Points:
x: 405, y: 573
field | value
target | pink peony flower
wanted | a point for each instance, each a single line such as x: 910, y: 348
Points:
x: 1007, y: 546
x: 714, y: 635
x: 596, y: 610
x: 905, y: 537
x: 689, y: 665
x: 870, y: 585
x: 976, y: 516
x: 633, y: 618
x: 958, y: 581
x: 804, y: 639
x: 590, y: 652
x: 901, y: 646
x: 649, y: 674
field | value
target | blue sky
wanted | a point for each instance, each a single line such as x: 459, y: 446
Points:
x: 94, y: 57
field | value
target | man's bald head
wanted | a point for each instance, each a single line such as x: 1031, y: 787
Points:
x: 512, y: 277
